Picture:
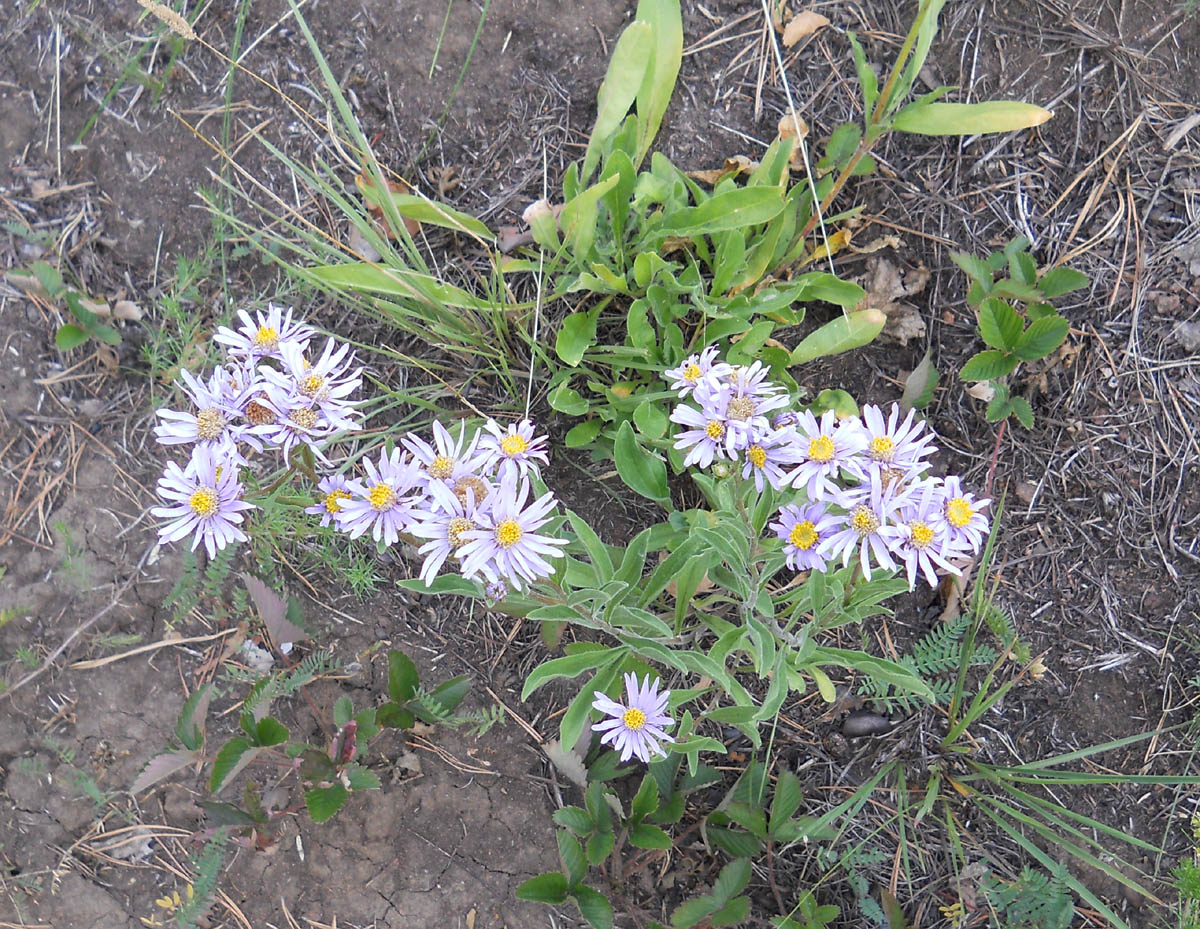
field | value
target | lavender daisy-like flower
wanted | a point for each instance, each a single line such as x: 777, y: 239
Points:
x: 443, y: 523
x: 263, y: 337
x: 506, y: 546
x: 203, y: 499
x: 686, y: 376
x: 802, y: 530
x: 294, y: 420
x: 868, y: 526
x: 743, y: 397
x: 924, y: 546
x: 706, y: 436
x: 515, y: 450
x: 385, y: 501
x: 767, y: 455
x: 324, y: 384
x: 448, y: 460
x: 334, y: 490
x: 826, y: 449
x: 215, y: 422
x: 892, y: 444
x: 962, y: 515
x: 638, y: 726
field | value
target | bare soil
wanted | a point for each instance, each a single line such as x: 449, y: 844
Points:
x: 1099, y: 558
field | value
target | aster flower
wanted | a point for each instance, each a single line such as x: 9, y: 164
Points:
x: 291, y: 420
x: 868, y: 527
x: 767, y: 455
x: 495, y: 591
x: 384, y: 502
x: 826, y: 449
x: 962, y: 515
x: 741, y: 399
x: 443, y: 523
x: 686, y: 376
x: 707, y: 436
x: 262, y: 338
x: 323, y: 385
x: 448, y: 460
x: 506, y: 545
x: 895, y: 446
x: 204, y: 499
x: 638, y: 726
x: 925, y: 545
x: 334, y: 490
x: 218, y: 407
x: 513, y: 451
x: 802, y: 530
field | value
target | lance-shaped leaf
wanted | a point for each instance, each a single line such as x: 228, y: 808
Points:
x: 851, y: 331
x: 969, y: 118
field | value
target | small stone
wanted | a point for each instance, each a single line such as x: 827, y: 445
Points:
x: 1188, y: 335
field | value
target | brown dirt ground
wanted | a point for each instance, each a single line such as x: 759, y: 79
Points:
x: 1099, y: 560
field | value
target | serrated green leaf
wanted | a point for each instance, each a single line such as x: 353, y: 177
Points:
x: 969, y: 118
x: 999, y: 324
x: 545, y: 888
x: 1022, y: 410
x: 689, y: 913
x: 1059, y: 281
x: 189, y: 728
x: 570, y: 853
x: 644, y: 835
x: 394, y: 716
x: 645, y: 801
x: 324, y: 802
x: 788, y: 797
x: 575, y: 818
x: 732, y: 880
x: 69, y: 336
x: 599, y: 846
x: 732, y: 913
x: 735, y: 842
x: 233, y: 756
x: 987, y: 366
x: 268, y: 732
x: 594, y: 907
x: 343, y: 711
x: 1042, y: 337
x: 975, y: 268
x: 361, y: 778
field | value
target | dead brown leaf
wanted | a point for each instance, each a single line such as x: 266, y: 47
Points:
x: 733, y: 167
x: 375, y: 208
x: 804, y: 23
x: 886, y: 287
x: 787, y: 130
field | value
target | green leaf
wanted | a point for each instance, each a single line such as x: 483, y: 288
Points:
x: 577, y: 335
x: 1021, y: 267
x: 545, y: 888
x: 575, y: 818
x: 394, y: 716
x: 733, y: 209
x: 840, y: 401
x: 69, y: 336
x: 582, y: 434
x: 658, y: 84
x: 1022, y: 410
x: 732, y: 913
x: 343, y: 711
x: 594, y: 907
x: 424, y: 210
x: 645, y: 801
x: 999, y: 324
x: 643, y: 472
x: 651, y: 419
x: 570, y: 852
x: 324, y: 802
x: 567, y: 400
x: 866, y: 76
x: 1059, y: 281
x: 976, y: 268
x: 233, y: 756
x: 820, y: 285
x: 189, y: 728
x: 689, y: 913
x: 451, y: 693
x: 403, y: 679
x: 568, y: 666
x: 626, y: 71
x: 597, y: 551
x: 840, y: 335
x: 1042, y: 337
x: 969, y: 118
x: 599, y: 846
x: 735, y: 842
x: 881, y: 669
x: 362, y: 779
x: 270, y: 732
x: 987, y: 366
x: 920, y: 385
x: 843, y: 142
x: 788, y: 797
x: 732, y: 880
x: 644, y: 835
x: 48, y: 277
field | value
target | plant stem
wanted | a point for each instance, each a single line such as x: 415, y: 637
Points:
x: 901, y: 60
x: 987, y: 491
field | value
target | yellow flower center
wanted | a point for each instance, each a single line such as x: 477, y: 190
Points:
x: 692, y: 373
x: 267, y: 338
x: 204, y: 502
x: 959, y: 511
x: 305, y: 418
x: 258, y: 414
x: 882, y: 448
x: 210, y: 423
x: 441, y: 467
x: 922, y: 535
x: 513, y: 445
x: 456, y: 527
x: 311, y: 385
x: 803, y: 535
x: 715, y: 430
x: 820, y: 448
x: 508, y: 533
x: 740, y: 408
x: 382, y: 497
x: 757, y: 455
x: 634, y: 719
x: 333, y: 501
x: 863, y: 521
x: 476, y: 487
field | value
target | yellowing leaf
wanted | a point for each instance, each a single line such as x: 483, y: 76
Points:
x: 970, y: 118
x: 804, y: 23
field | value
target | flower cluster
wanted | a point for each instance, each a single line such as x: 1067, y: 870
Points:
x: 267, y: 394
x: 864, y: 490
